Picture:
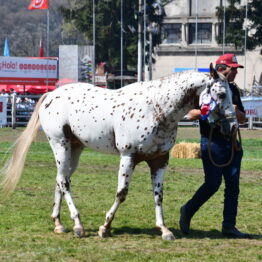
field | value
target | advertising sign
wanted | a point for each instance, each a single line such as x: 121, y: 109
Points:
x: 27, y: 71
x: 3, y: 110
x: 253, y: 106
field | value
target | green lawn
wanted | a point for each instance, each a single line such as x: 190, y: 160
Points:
x: 26, y: 230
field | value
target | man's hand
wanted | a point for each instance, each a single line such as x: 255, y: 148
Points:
x: 193, y: 114
x: 241, y: 117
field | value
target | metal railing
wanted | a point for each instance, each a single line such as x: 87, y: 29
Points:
x: 20, y: 108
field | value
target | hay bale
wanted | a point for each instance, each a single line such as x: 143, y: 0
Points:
x: 186, y: 150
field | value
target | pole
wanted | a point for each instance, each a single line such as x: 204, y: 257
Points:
x: 224, y: 27
x: 144, y: 62
x: 121, y: 43
x: 139, y: 45
x: 94, y: 43
x: 245, y: 73
x: 47, y: 36
x: 47, y: 46
x: 196, y: 35
x: 150, y: 54
x: 13, y: 112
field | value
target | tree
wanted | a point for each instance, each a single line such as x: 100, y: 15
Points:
x: 108, y: 27
x: 24, y: 28
x: 235, y: 24
x: 255, y: 28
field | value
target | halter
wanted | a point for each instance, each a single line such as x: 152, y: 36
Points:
x: 207, y: 105
x: 209, y: 109
x: 233, y: 147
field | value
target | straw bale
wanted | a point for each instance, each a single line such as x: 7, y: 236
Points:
x: 186, y: 150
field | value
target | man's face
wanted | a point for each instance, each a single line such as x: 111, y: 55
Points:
x: 230, y: 73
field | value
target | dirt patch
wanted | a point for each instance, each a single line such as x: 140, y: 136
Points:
x: 184, y: 133
x: 10, y: 135
x: 193, y: 132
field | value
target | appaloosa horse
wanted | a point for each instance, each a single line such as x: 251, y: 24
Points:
x: 138, y: 122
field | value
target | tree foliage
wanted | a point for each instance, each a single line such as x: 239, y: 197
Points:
x: 24, y: 28
x: 108, y: 26
x: 235, y: 24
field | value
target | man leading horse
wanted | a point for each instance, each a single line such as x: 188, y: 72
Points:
x: 216, y: 151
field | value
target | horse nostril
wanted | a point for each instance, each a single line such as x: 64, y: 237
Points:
x: 222, y: 95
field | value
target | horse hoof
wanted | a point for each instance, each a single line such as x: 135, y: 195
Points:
x: 104, y: 232
x: 79, y: 232
x: 168, y: 236
x: 59, y: 230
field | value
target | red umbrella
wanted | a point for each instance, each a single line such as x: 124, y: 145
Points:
x: 5, y: 87
x: 17, y: 88
x: 39, y: 89
x: 64, y: 81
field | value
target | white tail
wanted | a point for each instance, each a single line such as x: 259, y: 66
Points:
x: 12, y: 172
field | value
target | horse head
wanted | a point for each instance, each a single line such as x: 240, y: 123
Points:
x: 216, y: 103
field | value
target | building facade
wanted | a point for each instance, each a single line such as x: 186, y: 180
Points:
x: 181, y: 48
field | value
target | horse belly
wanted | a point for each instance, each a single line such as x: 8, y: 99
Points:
x: 95, y: 133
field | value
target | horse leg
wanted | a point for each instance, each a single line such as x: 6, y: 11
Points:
x: 66, y: 159
x: 56, y: 211
x: 157, y: 168
x: 76, y: 150
x: 125, y: 172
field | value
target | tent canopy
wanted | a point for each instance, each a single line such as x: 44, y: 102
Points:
x: 35, y: 89
x: 27, y: 88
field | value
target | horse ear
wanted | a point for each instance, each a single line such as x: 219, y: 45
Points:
x: 213, y: 72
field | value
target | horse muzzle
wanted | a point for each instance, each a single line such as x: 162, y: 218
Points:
x: 228, y: 126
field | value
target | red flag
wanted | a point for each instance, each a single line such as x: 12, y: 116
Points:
x: 41, y: 49
x: 38, y: 4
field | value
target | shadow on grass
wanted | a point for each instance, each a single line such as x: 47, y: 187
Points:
x: 194, y: 234
x: 212, y: 234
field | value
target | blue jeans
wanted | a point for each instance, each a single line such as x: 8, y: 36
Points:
x: 221, y: 151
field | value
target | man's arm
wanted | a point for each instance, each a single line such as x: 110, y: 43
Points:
x: 193, y: 114
x: 241, y: 116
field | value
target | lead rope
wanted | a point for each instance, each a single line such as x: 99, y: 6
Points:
x: 233, y: 148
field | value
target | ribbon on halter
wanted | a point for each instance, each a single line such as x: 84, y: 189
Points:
x: 207, y: 105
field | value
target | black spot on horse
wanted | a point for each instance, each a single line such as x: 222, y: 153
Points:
x: 47, y: 105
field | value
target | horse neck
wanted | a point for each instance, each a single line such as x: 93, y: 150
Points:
x: 176, y: 95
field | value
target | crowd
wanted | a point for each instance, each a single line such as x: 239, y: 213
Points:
x: 24, y: 105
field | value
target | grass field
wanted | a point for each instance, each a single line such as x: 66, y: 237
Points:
x: 26, y: 230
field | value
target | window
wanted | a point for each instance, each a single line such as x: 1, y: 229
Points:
x: 171, y: 33
x: 204, y: 33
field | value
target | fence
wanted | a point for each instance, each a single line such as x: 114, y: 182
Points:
x: 20, y: 108
x: 253, y: 107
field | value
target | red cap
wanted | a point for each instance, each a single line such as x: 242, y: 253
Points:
x: 229, y: 60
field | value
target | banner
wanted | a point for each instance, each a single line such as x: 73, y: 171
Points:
x: 28, y: 71
x: 3, y: 110
x: 38, y: 4
x: 252, y: 105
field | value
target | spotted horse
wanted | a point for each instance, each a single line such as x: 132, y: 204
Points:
x: 138, y: 122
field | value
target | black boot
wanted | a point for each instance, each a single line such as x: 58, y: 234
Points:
x: 234, y: 233
x: 184, y: 221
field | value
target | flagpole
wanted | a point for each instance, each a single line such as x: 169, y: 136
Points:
x: 121, y: 43
x: 196, y: 36
x: 47, y: 30
x: 139, y: 45
x: 94, y: 43
x: 224, y: 27
x: 245, y: 73
x: 47, y: 43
